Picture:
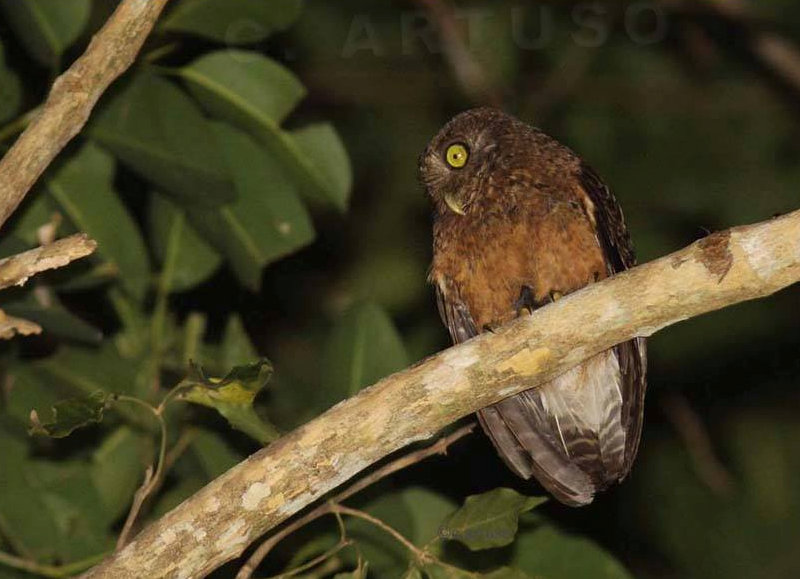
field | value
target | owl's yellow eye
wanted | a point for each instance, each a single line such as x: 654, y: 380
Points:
x: 457, y: 155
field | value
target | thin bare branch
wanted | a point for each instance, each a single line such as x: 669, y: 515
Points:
x: 72, y: 98
x: 17, y: 269
x: 220, y: 521
x: 10, y: 326
x: 776, y: 53
x: 473, y: 78
x: 697, y: 442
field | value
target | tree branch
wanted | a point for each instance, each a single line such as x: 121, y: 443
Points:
x: 73, y: 97
x: 16, y: 270
x: 221, y: 520
x: 473, y: 78
x: 777, y: 54
x: 438, y: 447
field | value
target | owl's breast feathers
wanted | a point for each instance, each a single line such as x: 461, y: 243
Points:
x: 527, y: 243
x: 542, y: 242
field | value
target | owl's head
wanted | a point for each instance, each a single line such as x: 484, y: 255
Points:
x: 460, y: 158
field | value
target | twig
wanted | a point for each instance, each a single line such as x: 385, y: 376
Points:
x: 184, y: 440
x: 421, y: 555
x: 11, y: 326
x: 139, y: 497
x: 221, y: 520
x: 16, y: 270
x: 438, y: 447
x: 152, y: 480
x: 316, y: 560
x: 468, y: 72
x: 691, y: 429
x: 776, y: 53
x: 72, y: 98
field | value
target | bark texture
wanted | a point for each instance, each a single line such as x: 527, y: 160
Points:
x: 221, y: 520
x: 72, y: 98
x: 16, y: 270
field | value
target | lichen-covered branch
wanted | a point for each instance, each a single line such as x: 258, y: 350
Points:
x: 16, y: 270
x: 73, y: 97
x: 220, y: 521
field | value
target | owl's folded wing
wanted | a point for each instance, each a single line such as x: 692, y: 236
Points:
x: 616, y: 243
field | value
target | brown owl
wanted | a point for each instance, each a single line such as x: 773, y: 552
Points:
x: 519, y: 221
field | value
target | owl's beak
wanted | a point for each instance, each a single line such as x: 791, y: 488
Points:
x: 453, y: 203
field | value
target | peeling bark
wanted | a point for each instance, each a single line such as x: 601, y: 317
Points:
x: 17, y: 269
x: 221, y: 520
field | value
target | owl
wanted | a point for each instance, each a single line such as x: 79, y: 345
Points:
x: 519, y: 221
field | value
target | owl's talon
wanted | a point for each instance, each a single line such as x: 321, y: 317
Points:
x: 491, y: 328
x: 525, y: 301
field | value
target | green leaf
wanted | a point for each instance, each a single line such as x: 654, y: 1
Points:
x: 488, y: 520
x: 158, y: 131
x: 256, y: 94
x: 10, y: 90
x: 233, y: 396
x: 236, y: 348
x: 72, y: 502
x: 232, y: 21
x: 266, y: 222
x: 36, y: 210
x: 32, y: 536
x: 49, y: 509
x: 321, y: 161
x: 84, y: 189
x: 506, y: 573
x: 243, y: 86
x: 117, y: 467
x: 45, y: 27
x: 440, y: 570
x: 362, y: 348
x: 428, y: 509
x: 175, y: 241
x: 360, y: 572
x: 69, y: 415
x: 87, y: 370
x: 214, y: 454
x: 28, y: 392
x: 544, y: 551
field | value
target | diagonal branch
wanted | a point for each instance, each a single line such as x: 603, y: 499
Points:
x: 221, y: 520
x: 73, y: 97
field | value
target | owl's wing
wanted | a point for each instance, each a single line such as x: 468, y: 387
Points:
x: 545, y: 432
x: 616, y: 243
x: 580, y: 433
x: 609, y: 221
x: 454, y: 314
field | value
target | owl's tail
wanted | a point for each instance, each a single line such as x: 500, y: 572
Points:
x: 569, y: 433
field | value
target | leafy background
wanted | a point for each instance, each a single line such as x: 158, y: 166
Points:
x: 251, y: 183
